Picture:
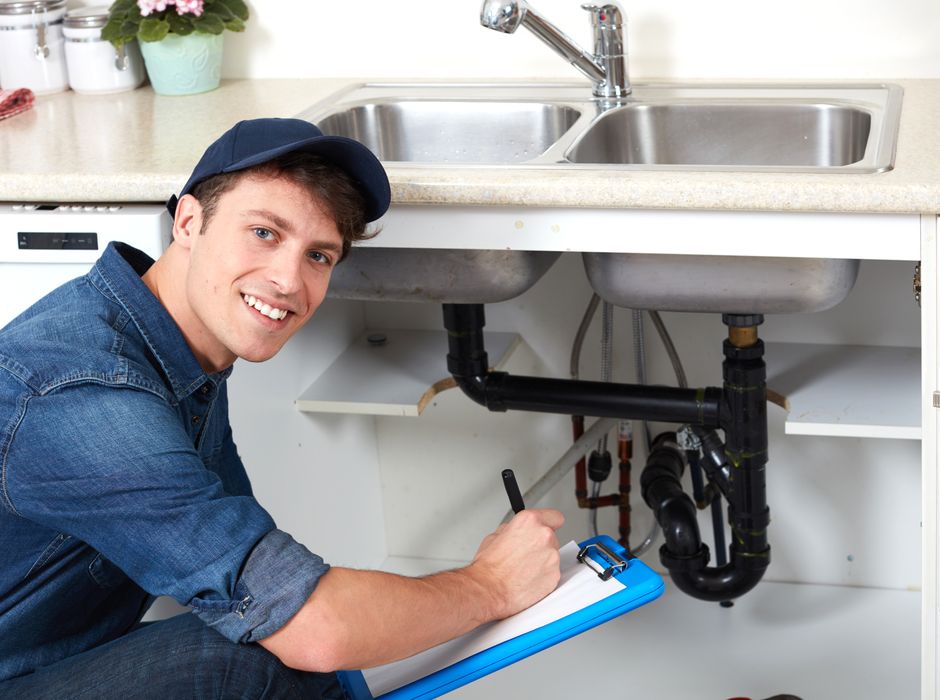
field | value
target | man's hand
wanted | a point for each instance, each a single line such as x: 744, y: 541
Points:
x: 360, y: 619
x: 518, y: 563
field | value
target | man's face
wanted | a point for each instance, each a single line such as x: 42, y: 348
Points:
x: 258, y: 271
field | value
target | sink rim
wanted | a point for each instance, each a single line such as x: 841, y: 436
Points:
x: 881, y: 100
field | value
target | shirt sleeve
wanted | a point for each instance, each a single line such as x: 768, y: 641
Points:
x: 114, y: 468
x: 278, y: 578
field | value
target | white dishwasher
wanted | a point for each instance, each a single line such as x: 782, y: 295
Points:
x: 45, y: 245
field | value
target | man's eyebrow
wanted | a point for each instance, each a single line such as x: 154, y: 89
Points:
x: 285, y: 225
x: 275, y: 219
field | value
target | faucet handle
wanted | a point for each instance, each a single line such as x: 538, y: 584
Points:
x: 609, y: 15
x: 610, y: 49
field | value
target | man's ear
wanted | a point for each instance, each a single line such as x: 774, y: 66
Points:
x: 188, y: 220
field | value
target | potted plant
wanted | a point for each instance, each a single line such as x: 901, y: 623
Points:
x: 181, y: 40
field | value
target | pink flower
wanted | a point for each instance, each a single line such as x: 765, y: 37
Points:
x: 148, y: 7
x: 193, y: 7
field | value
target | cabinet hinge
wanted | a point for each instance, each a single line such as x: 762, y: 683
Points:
x: 936, y: 399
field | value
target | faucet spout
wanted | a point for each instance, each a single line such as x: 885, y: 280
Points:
x: 503, y: 16
x: 606, y: 67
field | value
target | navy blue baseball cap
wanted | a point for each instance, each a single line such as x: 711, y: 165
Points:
x: 256, y: 141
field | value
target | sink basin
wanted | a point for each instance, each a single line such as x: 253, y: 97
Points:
x: 446, y: 131
x: 836, y: 129
x: 747, y: 134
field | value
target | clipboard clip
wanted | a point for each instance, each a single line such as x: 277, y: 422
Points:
x: 616, y: 562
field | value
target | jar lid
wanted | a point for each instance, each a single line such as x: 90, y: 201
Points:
x: 25, y: 7
x: 87, y: 17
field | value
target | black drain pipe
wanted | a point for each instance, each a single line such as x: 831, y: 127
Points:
x: 744, y: 420
x: 739, y: 408
x: 500, y: 391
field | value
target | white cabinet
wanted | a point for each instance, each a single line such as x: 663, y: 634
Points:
x: 840, y: 611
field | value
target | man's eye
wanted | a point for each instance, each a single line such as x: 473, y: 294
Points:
x: 263, y: 233
x: 318, y: 257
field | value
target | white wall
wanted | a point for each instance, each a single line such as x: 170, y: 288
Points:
x: 680, y: 39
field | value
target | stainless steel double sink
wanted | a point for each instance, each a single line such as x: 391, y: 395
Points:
x: 735, y: 128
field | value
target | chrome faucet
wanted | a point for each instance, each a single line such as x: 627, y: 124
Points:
x: 606, y: 67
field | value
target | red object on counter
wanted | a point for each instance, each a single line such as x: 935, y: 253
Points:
x: 15, y: 101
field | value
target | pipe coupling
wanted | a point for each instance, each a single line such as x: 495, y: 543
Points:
x: 677, y: 562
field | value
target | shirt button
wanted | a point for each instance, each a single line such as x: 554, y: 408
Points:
x: 204, y: 389
x: 196, y: 420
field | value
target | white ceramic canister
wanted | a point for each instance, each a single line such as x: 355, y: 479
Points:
x: 32, y: 54
x: 95, y: 66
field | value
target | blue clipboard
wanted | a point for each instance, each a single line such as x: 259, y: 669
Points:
x: 605, y: 556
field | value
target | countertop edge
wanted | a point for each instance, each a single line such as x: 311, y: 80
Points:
x: 128, y: 148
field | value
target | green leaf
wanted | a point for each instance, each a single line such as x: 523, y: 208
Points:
x: 153, y: 29
x: 235, y: 25
x: 129, y: 28
x: 121, y: 6
x: 237, y: 8
x: 222, y: 11
x: 112, y: 32
x: 209, y: 23
x: 179, y: 24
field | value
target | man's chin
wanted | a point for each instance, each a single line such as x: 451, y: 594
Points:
x: 258, y: 355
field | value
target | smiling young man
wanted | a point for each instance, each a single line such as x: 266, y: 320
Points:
x: 120, y: 480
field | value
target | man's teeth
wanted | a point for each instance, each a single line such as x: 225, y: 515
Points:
x: 266, y: 309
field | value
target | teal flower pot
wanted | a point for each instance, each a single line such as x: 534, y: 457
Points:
x: 184, y: 65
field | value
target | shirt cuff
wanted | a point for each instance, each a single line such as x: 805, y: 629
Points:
x: 277, y: 579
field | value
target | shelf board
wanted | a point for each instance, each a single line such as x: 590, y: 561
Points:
x: 397, y: 378
x: 827, y: 390
x: 847, y: 390
x: 812, y: 641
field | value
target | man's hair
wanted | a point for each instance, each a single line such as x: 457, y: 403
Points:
x: 332, y: 187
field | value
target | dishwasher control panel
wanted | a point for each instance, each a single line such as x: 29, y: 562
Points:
x: 78, y: 233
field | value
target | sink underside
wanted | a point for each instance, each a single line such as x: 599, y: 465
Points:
x: 721, y: 284
x: 442, y: 276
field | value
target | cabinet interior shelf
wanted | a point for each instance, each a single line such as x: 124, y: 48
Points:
x: 847, y: 390
x: 397, y: 377
x: 827, y: 390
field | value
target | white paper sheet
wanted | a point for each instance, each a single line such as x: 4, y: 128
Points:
x: 579, y: 587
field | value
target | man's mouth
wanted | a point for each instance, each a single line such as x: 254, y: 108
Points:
x: 265, y: 309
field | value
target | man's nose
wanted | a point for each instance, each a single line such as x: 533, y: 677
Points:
x: 285, y: 271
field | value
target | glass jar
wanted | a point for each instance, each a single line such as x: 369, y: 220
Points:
x: 31, y: 46
x: 95, y: 66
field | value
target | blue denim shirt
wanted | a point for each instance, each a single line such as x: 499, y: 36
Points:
x: 119, y: 480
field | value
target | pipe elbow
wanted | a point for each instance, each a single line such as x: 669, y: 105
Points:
x: 474, y: 387
x: 717, y: 584
x: 677, y: 518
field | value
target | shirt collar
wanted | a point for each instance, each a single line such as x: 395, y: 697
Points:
x: 120, y: 269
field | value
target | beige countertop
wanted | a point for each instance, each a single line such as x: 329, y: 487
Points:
x: 140, y: 147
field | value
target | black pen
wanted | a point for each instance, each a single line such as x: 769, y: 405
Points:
x: 512, y: 490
